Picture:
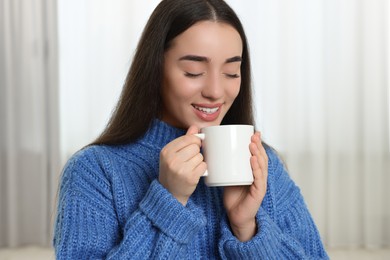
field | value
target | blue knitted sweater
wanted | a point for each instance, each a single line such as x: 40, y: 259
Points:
x: 112, y: 206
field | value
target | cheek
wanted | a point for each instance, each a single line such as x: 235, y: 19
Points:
x: 182, y: 88
x: 233, y: 90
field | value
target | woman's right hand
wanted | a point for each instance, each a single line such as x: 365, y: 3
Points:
x: 182, y: 165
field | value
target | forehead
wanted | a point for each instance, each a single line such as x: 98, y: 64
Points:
x: 208, y: 38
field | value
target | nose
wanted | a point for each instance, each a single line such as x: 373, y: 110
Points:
x: 213, y: 88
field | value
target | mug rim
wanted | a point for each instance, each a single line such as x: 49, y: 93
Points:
x: 226, y: 126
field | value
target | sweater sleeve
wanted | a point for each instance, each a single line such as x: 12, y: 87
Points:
x: 87, y: 225
x: 288, y: 233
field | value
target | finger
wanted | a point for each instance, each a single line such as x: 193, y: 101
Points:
x: 194, y: 162
x: 259, y: 186
x: 254, y: 149
x: 259, y: 178
x: 256, y: 138
x: 188, y: 152
x: 192, y: 130
x: 195, y: 169
x: 182, y: 142
x: 262, y: 160
x: 264, y: 156
x: 255, y: 164
x: 261, y: 146
x: 200, y: 169
x: 259, y: 169
x: 197, y: 159
x: 259, y: 160
x: 189, y: 137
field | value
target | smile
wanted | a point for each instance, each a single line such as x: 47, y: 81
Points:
x: 207, y: 110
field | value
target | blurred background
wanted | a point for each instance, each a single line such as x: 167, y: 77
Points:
x: 322, y: 95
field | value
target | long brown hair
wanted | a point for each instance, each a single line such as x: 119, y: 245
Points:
x: 140, y: 100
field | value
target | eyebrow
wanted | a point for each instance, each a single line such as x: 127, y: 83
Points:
x: 234, y: 59
x: 205, y: 59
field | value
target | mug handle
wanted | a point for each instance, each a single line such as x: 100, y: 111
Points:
x: 202, y: 137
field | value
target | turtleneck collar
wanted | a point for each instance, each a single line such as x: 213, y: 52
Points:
x: 160, y: 134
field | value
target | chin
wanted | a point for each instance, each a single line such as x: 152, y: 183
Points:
x: 206, y: 124
x: 201, y: 124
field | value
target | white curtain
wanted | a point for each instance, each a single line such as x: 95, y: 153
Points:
x: 97, y: 40
x: 321, y: 77
x: 29, y: 158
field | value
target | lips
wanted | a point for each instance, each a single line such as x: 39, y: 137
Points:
x: 207, y: 112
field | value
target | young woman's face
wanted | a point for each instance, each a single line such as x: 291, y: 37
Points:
x: 202, y: 75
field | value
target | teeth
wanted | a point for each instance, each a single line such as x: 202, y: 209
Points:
x: 207, y: 110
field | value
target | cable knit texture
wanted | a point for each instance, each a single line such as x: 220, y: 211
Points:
x: 111, y: 206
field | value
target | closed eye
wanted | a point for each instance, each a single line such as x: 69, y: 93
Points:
x: 192, y: 75
x: 233, y: 76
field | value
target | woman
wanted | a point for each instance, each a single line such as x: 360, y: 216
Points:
x: 137, y: 191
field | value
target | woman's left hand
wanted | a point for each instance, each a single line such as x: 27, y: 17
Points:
x: 243, y: 202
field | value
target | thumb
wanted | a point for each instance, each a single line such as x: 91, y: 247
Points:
x: 192, y: 130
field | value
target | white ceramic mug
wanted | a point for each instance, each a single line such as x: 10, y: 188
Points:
x: 226, y: 152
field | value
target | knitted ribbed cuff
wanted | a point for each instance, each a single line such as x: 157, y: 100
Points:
x: 170, y: 216
x: 263, y: 245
